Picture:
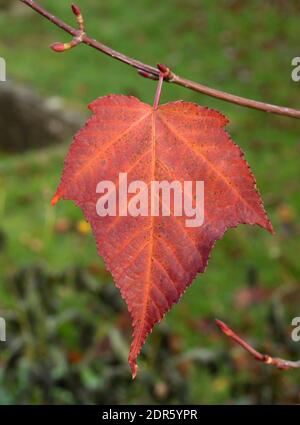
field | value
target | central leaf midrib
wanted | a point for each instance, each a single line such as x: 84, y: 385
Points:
x: 148, y: 280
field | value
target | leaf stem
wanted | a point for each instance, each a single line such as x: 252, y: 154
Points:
x: 163, y: 73
x: 158, y: 91
x: 150, y: 72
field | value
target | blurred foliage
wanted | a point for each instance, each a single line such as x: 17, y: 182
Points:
x: 67, y: 330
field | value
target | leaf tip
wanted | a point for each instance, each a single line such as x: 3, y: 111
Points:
x: 133, y: 365
x: 271, y: 229
x: 267, y: 225
x: 134, y: 369
x: 55, y: 199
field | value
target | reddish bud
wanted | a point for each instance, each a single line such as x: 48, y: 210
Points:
x: 58, y: 47
x: 165, y: 70
x: 76, y: 10
x: 224, y: 328
x: 147, y: 75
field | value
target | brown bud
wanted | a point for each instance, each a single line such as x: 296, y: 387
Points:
x: 164, y: 69
x: 76, y: 10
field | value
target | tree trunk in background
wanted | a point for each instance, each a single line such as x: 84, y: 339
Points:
x: 29, y: 121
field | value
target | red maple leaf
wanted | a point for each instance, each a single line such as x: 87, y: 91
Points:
x: 153, y: 259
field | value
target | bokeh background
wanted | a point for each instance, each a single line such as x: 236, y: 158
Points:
x: 68, y: 331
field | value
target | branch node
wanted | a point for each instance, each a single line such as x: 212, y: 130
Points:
x: 165, y: 71
x: 148, y: 71
x: 62, y: 47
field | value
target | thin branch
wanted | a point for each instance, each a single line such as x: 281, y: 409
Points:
x: 62, y: 47
x: 153, y: 73
x: 265, y: 358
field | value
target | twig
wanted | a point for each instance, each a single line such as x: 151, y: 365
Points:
x: 61, y: 47
x: 265, y: 358
x: 153, y: 73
